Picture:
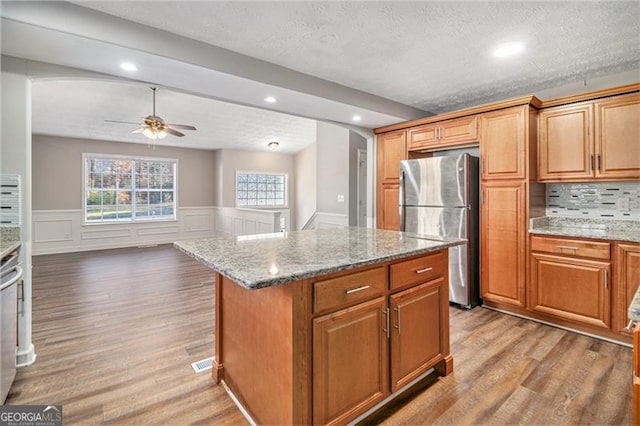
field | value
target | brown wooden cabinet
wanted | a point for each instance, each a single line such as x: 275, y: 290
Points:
x: 571, y: 280
x: 350, y: 359
x: 590, y: 140
x: 443, y: 134
x: 362, y: 353
x: 503, y: 243
x: 617, y: 137
x: 391, y: 149
x: 565, y: 143
x: 503, y: 149
x: 415, y: 317
x: 626, y: 270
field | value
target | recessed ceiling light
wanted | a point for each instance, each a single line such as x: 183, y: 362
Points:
x: 356, y: 118
x: 270, y: 99
x: 508, y: 49
x: 273, y: 145
x: 128, y: 66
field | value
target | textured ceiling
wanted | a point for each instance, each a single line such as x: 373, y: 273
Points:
x: 435, y: 56
x: 78, y: 108
x: 424, y: 56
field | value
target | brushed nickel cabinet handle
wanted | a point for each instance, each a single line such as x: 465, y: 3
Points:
x: 423, y: 270
x: 630, y: 326
x: 567, y: 248
x: 386, y: 330
x: 397, y: 309
x: 357, y: 289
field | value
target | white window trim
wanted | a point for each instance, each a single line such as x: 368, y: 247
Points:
x: 267, y: 206
x: 133, y: 158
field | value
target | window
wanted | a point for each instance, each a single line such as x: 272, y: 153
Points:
x: 119, y: 189
x: 261, y: 189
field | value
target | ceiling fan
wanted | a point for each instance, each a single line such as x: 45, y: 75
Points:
x: 154, y: 126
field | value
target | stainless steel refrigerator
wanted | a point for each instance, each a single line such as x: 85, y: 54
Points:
x: 439, y: 199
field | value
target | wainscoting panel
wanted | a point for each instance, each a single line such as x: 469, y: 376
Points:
x: 100, y: 234
x: 234, y: 221
x: 62, y: 231
x: 331, y: 220
x: 197, y: 222
x: 52, y: 230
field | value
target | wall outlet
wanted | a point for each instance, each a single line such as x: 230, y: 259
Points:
x: 341, y: 198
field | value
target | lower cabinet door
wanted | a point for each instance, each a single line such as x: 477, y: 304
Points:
x: 573, y: 289
x: 415, y: 331
x: 503, y: 242
x: 350, y: 362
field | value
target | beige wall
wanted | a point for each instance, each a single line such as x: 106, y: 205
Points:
x: 57, y: 170
x: 305, y: 186
x: 228, y: 161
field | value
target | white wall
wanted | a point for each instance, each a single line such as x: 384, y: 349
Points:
x: 356, y: 142
x: 15, y: 150
x: 305, y: 185
x: 333, y: 168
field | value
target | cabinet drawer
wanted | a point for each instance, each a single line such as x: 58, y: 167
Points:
x: 417, y: 270
x: 592, y: 249
x: 347, y: 289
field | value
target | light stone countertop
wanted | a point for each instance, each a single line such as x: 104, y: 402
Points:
x: 634, y: 307
x: 9, y: 239
x: 257, y: 261
x: 601, y: 229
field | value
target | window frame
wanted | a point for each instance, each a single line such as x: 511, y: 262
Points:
x: 266, y: 206
x: 132, y: 219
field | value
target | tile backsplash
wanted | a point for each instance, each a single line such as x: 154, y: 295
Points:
x: 615, y: 200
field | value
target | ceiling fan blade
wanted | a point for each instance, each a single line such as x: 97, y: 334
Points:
x: 182, y: 126
x: 123, y: 122
x: 173, y: 132
x: 140, y: 130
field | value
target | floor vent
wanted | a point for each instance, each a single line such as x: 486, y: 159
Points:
x: 202, y: 365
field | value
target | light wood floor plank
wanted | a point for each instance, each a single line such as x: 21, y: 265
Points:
x: 116, y: 331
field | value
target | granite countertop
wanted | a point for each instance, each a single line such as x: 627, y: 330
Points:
x: 9, y: 239
x: 256, y: 261
x: 634, y: 307
x: 602, y: 229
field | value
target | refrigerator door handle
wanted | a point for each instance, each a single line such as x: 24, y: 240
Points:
x: 401, y: 201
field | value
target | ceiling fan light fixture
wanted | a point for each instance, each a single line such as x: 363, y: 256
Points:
x: 154, y: 134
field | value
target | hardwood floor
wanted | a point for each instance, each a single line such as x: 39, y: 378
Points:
x: 116, y: 331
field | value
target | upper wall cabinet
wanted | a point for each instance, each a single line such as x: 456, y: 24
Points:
x: 459, y: 131
x: 391, y: 149
x: 617, y: 137
x: 590, y: 140
x: 503, y: 144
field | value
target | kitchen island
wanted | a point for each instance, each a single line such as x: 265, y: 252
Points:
x: 323, y: 326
